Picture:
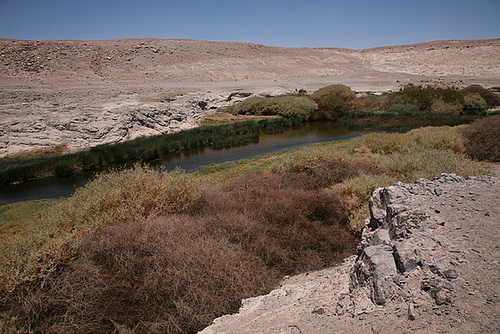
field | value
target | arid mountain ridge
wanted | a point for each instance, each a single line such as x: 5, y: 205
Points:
x: 85, y: 93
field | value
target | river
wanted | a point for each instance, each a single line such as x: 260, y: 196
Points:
x: 307, y: 133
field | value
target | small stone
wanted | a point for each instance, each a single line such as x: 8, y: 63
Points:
x: 448, y: 285
x: 318, y: 310
x: 450, y: 274
x: 411, y: 312
x: 440, y: 297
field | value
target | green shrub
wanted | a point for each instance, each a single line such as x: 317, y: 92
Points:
x: 403, y: 109
x: 474, y: 104
x: 437, y: 100
x: 334, y: 99
x: 492, y: 99
x: 286, y: 106
x: 441, y: 107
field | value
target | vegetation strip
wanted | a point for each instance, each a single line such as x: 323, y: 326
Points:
x: 17, y: 170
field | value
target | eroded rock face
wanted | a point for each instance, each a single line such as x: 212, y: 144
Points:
x: 411, y: 242
x: 49, y: 120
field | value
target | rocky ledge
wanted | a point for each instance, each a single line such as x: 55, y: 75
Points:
x: 36, y: 122
x: 427, y: 262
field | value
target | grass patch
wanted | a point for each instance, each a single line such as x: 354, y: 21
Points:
x: 17, y: 217
x: 386, y: 121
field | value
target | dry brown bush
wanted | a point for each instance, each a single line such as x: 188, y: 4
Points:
x: 175, y: 273
x: 286, y: 219
x: 483, y: 139
x: 166, y: 275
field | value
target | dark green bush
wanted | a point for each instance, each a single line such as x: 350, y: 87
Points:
x: 64, y: 169
x: 474, y: 104
x: 492, y: 99
x: 437, y: 100
x: 334, y: 99
x: 403, y: 109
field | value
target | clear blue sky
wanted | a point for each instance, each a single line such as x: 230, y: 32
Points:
x: 353, y: 24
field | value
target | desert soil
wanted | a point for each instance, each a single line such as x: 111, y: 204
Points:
x: 84, y: 93
x: 453, y: 288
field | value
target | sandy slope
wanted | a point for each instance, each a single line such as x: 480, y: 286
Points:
x: 84, y: 93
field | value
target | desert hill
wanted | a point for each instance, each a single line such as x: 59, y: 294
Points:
x: 84, y: 93
x: 194, y: 61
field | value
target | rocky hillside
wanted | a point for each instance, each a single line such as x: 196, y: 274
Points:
x: 84, y: 93
x: 428, y: 263
x: 193, y: 61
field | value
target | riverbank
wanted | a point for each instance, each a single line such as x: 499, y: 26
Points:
x: 409, y: 108
x: 144, y: 149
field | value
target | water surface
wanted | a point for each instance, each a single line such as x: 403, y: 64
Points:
x: 308, y: 133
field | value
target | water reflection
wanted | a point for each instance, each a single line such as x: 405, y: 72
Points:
x: 308, y: 133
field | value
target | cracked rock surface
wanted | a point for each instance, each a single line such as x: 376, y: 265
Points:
x: 427, y: 263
